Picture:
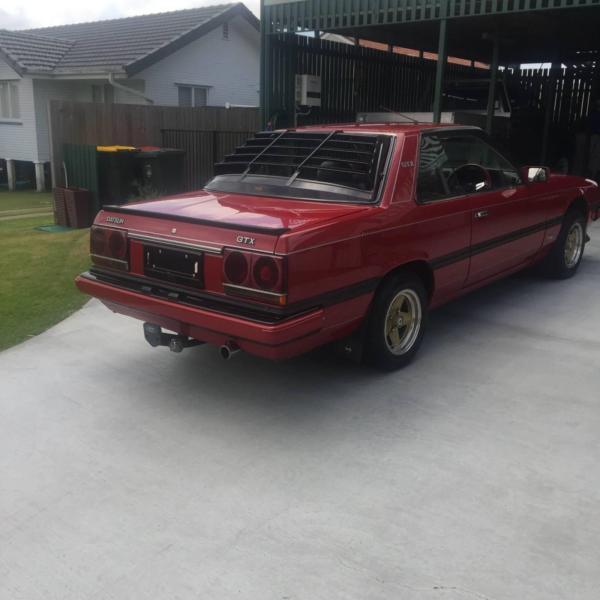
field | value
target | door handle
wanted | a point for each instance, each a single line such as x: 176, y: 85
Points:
x: 481, y: 214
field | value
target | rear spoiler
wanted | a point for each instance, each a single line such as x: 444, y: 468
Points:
x: 223, y: 224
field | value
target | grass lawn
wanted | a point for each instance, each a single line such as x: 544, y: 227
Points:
x: 26, y: 201
x: 37, y: 269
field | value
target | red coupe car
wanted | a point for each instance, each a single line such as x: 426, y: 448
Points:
x: 345, y: 232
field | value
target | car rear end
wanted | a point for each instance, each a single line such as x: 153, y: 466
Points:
x: 215, y: 266
x: 206, y: 291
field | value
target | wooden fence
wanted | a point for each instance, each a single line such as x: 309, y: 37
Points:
x: 202, y: 150
x: 133, y: 125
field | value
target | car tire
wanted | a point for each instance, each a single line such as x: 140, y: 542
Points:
x: 565, y: 256
x: 396, y: 322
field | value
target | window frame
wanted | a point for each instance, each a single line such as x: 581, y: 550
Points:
x: 105, y: 91
x: 460, y: 132
x: 13, y: 101
x: 193, y: 87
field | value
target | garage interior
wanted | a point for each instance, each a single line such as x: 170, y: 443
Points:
x: 550, y: 99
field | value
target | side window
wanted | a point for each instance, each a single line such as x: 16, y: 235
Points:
x: 184, y: 93
x: 200, y: 96
x: 9, y: 100
x: 431, y: 185
x: 473, y: 150
x: 192, y: 95
x: 459, y: 164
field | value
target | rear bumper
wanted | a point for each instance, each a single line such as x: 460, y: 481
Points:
x: 286, y: 338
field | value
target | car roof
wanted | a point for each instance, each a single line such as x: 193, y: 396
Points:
x: 388, y: 128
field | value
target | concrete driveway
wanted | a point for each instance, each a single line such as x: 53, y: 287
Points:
x: 128, y: 472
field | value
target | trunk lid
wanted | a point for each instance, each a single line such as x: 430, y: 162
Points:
x: 266, y: 215
x: 220, y: 220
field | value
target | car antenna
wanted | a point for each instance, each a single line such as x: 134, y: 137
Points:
x: 395, y: 112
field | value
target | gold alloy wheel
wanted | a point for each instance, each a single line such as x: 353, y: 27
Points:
x: 403, y: 322
x: 573, y: 245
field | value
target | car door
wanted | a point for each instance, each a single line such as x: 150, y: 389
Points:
x: 506, y: 223
x: 442, y: 220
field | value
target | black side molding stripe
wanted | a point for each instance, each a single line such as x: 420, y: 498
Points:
x: 465, y: 253
x: 336, y: 296
x: 222, y: 224
x: 233, y: 305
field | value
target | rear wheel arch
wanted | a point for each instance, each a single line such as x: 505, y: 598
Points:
x: 420, y: 268
x: 579, y: 204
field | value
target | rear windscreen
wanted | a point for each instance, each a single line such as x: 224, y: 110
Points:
x: 322, y: 165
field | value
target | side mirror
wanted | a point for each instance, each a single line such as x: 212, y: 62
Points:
x: 535, y: 174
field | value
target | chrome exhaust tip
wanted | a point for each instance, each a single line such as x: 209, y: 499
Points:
x: 228, y: 350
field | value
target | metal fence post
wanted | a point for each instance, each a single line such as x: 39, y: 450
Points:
x: 441, y: 64
x: 265, y: 67
x: 489, y: 119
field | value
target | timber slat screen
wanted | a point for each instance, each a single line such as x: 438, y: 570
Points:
x: 133, y: 125
x: 353, y: 79
x: 202, y: 150
x: 569, y: 90
x: 359, y: 79
x: 323, y: 15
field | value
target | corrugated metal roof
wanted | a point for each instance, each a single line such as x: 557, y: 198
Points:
x: 101, y: 45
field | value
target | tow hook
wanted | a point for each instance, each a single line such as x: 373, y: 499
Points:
x: 155, y: 336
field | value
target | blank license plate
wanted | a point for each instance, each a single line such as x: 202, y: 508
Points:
x: 175, y: 266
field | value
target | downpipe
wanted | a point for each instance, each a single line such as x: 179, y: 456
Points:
x: 228, y: 350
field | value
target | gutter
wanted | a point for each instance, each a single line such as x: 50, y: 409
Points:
x: 124, y: 88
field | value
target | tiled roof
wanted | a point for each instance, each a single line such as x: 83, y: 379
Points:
x: 110, y: 45
x: 32, y: 52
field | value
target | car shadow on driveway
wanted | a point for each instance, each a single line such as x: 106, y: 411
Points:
x: 470, y: 342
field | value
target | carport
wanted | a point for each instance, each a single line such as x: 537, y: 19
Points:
x: 503, y: 34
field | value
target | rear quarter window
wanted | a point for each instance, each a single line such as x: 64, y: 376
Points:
x: 332, y: 165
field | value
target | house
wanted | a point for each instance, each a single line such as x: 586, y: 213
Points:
x: 206, y: 56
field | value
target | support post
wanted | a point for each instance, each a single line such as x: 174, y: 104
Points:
x: 440, y: 67
x: 549, y: 91
x: 265, y: 67
x: 489, y: 119
x: 40, y: 177
x: 12, y: 174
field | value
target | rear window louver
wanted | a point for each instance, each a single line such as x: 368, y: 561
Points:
x: 335, y: 157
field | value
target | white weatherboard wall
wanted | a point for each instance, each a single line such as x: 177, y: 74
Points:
x: 18, y: 139
x: 229, y: 67
x: 27, y: 139
x: 44, y: 91
x: 7, y: 72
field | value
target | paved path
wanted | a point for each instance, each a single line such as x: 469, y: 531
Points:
x: 131, y: 473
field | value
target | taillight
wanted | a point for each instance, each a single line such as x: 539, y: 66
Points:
x: 255, y: 276
x: 236, y: 267
x: 109, y: 247
x: 117, y: 245
x: 266, y: 273
x: 98, y: 240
